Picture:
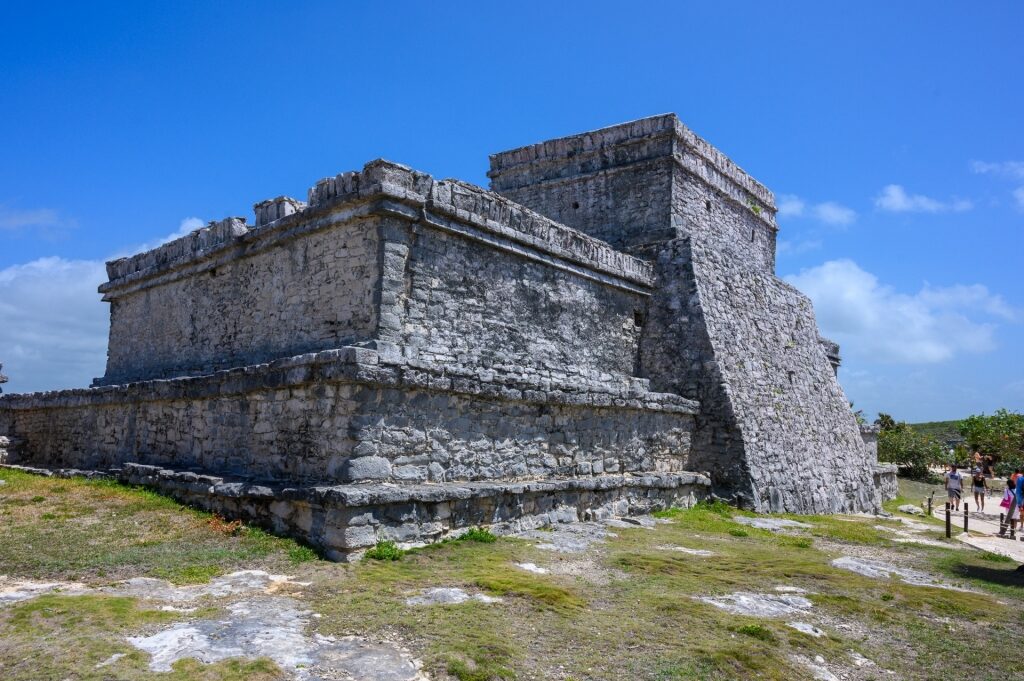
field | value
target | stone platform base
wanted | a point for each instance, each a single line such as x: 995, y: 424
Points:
x: 887, y: 484
x: 343, y: 521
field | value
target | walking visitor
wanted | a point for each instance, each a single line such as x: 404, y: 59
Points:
x: 954, y: 486
x: 979, y: 485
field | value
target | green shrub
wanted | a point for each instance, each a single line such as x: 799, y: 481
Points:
x: 756, y: 631
x: 1001, y: 435
x: 478, y: 534
x: 385, y: 550
x: 301, y: 554
x: 908, y: 449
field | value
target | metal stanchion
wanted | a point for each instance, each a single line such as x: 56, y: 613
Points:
x: 949, y: 520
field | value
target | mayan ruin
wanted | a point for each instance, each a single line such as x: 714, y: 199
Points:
x: 600, y: 334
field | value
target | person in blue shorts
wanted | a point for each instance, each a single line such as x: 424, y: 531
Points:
x: 1020, y: 494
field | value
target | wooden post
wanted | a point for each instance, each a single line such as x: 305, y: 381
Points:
x: 965, y: 516
x: 949, y: 520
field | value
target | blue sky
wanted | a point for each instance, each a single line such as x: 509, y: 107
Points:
x: 890, y: 133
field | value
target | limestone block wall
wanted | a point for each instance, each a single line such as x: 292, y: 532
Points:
x: 748, y: 230
x: 474, y: 306
x: 641, y: 182
x: 679, y: 356
x: 773, y: 414
x: 440, y: 271
x: 256, y: 302
x: 344, y: 416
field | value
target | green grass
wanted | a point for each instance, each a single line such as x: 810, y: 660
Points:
x: 100, y: 528
x: 55, y: 637
x: 477, y: 534
x: 624, y: 609
x: 384, y: 550
x: 757, y: 631
x: 48, y: 613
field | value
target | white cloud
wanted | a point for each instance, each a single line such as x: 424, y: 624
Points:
x: 187, y: 226
x: 16, y: 219
x: 45, y: 222
x: 53, y: 327
x: 895, y: 199
x: 1011, y: 169
x: 832, y: 213
x: 873, y: 320
x: 1018, y: 195
x: 797, y: 247
x: 790, y: 206
x: 967, y: 297
x: 828, y: 212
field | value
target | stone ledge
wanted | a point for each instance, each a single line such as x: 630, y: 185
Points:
x: 344, y: 521
x: 371, y: 494
x: 360, y: 194
x: 369, y: 367
x: 635, y: 141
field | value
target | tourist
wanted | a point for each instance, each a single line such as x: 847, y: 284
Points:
x: 1016, y: 474
x: 954, y: 486
x: 987, y: 467
x: 1009, y: 502
x: 1019, y: 493
x: 979, y: 485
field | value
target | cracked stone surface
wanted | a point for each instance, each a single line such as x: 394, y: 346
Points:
x: 533, y: 567
x: 782, y: 589
x: 773, y: 524
x: 861, y: 661
x: 569, y: 538
x: 911, y: 509
x: 448, y: 596
x: 266, y: 622
x: 629, y: 522
x: 13, y: 591
x: 244, y: 581
x: 879, y: 570
x: 819, y: 672
x: 759, y: 605
x: 274, y: 627
x: 806, y: 628
x: 911, y: 537
x: 688, y: 551
x: 111, y: 660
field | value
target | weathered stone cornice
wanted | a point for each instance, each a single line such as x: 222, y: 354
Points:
x: 381, y: 188
x: 642, y: 141
x: 370, y: 367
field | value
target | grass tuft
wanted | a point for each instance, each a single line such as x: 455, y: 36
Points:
x: 385, y: 550
x: 756, y: 631
x: 478, y: 534
x: 302, y: 554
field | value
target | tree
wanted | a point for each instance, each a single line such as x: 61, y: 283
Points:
x: 1000, y: 435
x: 911, y: 451
x: 885, y: 422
